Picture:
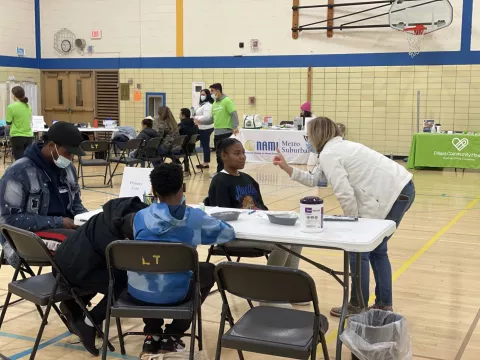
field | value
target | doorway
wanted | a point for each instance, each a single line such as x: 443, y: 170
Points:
x: 69, y: 96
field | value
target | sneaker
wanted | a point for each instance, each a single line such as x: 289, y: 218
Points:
x: 380, y: 307
x: 87, y: 335
x: 213, y: 175
x: 67, y: 316
x: 151, y: 346
x: 352, y: 310
x: 172, y: 344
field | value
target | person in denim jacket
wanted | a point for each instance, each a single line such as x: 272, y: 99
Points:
x: 40, y: 191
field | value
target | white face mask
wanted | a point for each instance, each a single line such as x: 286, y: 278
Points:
x: 203, y: 98
x: 214, y: 96
x: 61, y: 162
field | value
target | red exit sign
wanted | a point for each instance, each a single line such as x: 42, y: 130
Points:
x: 96, y: 34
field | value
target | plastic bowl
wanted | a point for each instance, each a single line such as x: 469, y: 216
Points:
x: 226, y: 215
x: 288, y: 219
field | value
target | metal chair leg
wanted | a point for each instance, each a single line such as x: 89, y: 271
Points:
x: 121, y: 338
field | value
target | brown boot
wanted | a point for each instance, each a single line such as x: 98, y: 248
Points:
x: 352, y: 310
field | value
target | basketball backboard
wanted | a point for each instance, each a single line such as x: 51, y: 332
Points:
x: 433, y: 14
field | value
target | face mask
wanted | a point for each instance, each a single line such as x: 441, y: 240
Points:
x: 61, y: 162
x: 203, y: 98
x: 310, y: 148
x: 214, y: 96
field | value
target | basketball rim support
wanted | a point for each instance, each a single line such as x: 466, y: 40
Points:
x: 376, y: 4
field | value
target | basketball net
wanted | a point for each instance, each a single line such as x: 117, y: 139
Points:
x: 414, y: 35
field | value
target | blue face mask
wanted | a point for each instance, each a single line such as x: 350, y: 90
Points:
x: 310, y: 148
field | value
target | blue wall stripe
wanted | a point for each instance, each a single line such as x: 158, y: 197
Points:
x: 38, y: 42
x: 13, y: 61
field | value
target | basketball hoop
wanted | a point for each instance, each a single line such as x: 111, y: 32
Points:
x: 414, y: 35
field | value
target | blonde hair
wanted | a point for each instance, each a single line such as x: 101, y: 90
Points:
x: 320, y: 131
x: 165, y: 114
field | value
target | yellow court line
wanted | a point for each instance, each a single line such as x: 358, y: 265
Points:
x: 179, y: 27
x: 333, y: 335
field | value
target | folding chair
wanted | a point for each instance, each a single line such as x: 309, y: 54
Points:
x: 152, y: 258
x: 229, y: 250
x: 6, y: 148
x: 126, y: 148
x: 177, y: 150
x: 150, y: 151
x: 95, y: 147
x: 3, y: 261
x: 191, y: 144
x: 266, y: 329
x: 42, y: 290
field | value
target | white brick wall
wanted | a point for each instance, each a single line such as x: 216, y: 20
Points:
x: 130, y: 28
x: 17, y: 27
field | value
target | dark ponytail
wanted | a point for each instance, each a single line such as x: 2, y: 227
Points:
x: 225, y: 144
x: 19, y: 93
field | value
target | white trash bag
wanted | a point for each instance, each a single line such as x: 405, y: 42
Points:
x: 378, y: 335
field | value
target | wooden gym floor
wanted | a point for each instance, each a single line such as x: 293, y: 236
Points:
x: 434, y: 256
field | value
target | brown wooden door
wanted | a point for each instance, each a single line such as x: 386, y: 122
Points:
x: 56, y: 97
x: 69, y: 96
x: 82, y: 97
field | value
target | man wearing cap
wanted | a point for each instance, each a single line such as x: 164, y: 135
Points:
x: 40, y: 191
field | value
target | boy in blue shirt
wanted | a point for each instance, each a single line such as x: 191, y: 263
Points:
x: 168, y: 219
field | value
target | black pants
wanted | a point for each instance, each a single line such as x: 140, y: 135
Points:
x: 207, y: 280
x: 19, y: 144
x: 216, y: 140
x: 99, y: 312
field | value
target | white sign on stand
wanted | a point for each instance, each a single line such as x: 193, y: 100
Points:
x: 135, y: 182
x: 38, y: 123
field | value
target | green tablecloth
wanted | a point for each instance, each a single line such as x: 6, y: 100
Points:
x: 444, y: 150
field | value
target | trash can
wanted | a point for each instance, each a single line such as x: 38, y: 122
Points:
x: 378, y: 335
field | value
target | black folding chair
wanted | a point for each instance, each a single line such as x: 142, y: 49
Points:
x: 229, y: 250
x: 152, y: 258
x: 177, y: 151
x: 190, y: 150
x: 3, y: 261
x: 125, y: 149
x: 270, y: 330
x: 149, y: 153
x: 42, y: 290
x: 95, y: 147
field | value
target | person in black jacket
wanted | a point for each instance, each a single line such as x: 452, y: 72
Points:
x: 81, y: 257
x: 146, y: 134
x: 187, y: 127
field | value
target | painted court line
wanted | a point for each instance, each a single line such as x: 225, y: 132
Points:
x: 55, y: 342
x: 333, y: 335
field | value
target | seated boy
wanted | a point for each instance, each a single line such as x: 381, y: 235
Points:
x: 168, y: 219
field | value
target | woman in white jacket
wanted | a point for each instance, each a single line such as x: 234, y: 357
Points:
x: 204, y: 114
x: 367, y: 184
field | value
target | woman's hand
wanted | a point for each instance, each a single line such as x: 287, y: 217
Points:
x: 280, y: 161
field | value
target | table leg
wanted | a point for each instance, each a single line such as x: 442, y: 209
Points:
x: 343, y: 316
x: 358, y: 281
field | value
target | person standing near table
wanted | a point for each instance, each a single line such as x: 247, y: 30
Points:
x: 19, y: 117
x: 204, y: 114
x: 225, y: 118
x: 367, y: 184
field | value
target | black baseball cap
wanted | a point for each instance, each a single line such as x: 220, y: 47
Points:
x: 66, y: 135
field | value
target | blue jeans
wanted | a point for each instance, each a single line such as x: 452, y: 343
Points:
x: 378, y: 258
x: 205, y: 143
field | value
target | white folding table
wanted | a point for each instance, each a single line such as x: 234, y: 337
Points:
x: 360, y: 236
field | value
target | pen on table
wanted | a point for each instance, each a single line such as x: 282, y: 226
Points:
x: 251, y: 212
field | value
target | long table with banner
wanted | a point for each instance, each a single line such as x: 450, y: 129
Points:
x: 261, y: 145
x: 444, y: 150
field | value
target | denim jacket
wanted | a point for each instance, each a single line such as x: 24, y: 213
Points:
x: 25, y: 197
